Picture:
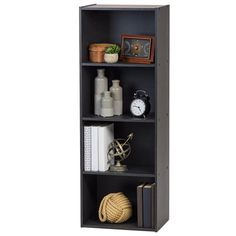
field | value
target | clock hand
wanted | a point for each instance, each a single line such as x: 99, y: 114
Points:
x: 138, y: 108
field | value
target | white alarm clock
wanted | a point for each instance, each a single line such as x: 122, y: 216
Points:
x: 140, y: 106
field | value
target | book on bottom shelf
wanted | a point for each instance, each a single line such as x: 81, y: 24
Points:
x: 140, y: 205
x: 146, y: 207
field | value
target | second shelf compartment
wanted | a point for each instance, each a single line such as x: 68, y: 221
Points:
x: 131, y: 79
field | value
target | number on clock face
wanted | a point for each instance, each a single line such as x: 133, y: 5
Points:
x: 138, y: 107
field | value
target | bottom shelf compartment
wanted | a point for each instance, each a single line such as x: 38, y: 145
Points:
x: 96, y: 187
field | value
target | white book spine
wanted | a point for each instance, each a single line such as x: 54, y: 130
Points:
x: 94, y: 148
x: 87, y: 148
x: 105, y: 137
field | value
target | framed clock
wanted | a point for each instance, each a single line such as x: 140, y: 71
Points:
x: 137, y: 48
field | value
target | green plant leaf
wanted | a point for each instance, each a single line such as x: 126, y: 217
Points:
x: 114, y: 49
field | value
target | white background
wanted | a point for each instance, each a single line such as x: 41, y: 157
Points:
x: 39, y: 118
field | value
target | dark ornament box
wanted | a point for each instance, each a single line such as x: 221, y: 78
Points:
x: 137, y: 48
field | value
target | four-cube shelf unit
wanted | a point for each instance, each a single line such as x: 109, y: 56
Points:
x: 149, y: 159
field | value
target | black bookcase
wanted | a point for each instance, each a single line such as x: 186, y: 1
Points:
x: 149, y: 160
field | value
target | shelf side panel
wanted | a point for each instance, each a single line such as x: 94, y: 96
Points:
x: 81, y: 128
x: 162, y: 115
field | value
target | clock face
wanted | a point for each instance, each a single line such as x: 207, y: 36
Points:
x: 138, y: 107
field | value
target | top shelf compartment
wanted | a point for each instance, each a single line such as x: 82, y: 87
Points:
x: 107, y: 26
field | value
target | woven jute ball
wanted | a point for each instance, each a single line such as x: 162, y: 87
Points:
x: 115, y: 208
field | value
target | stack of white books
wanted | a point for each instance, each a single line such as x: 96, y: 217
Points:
x: 96, y: 142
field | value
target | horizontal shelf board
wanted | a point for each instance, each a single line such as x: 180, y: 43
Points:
x: 132, y: 172
x: 119, y: 64
x: 129, y: 225
x: 123, y: 118
x: 121, y: 7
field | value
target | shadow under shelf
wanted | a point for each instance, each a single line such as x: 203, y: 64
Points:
x: 123, y: 118
x: 118, y: 64
x: 138, y: 171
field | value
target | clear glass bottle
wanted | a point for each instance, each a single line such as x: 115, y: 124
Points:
x: 117, y: 94
x: 100, y: 86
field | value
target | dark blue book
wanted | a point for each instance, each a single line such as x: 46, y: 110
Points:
x: 140, y: 204
x: 147, y: 206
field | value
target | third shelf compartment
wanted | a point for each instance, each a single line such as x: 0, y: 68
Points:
x: 142, y: 145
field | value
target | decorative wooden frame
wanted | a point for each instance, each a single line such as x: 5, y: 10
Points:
x: 148, y: 60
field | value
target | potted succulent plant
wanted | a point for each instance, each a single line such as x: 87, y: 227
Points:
x: 112, y: 54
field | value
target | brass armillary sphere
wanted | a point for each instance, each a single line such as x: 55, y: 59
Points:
x: 118, y: 151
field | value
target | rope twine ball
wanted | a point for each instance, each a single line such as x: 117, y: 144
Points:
x: 115, y: 208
